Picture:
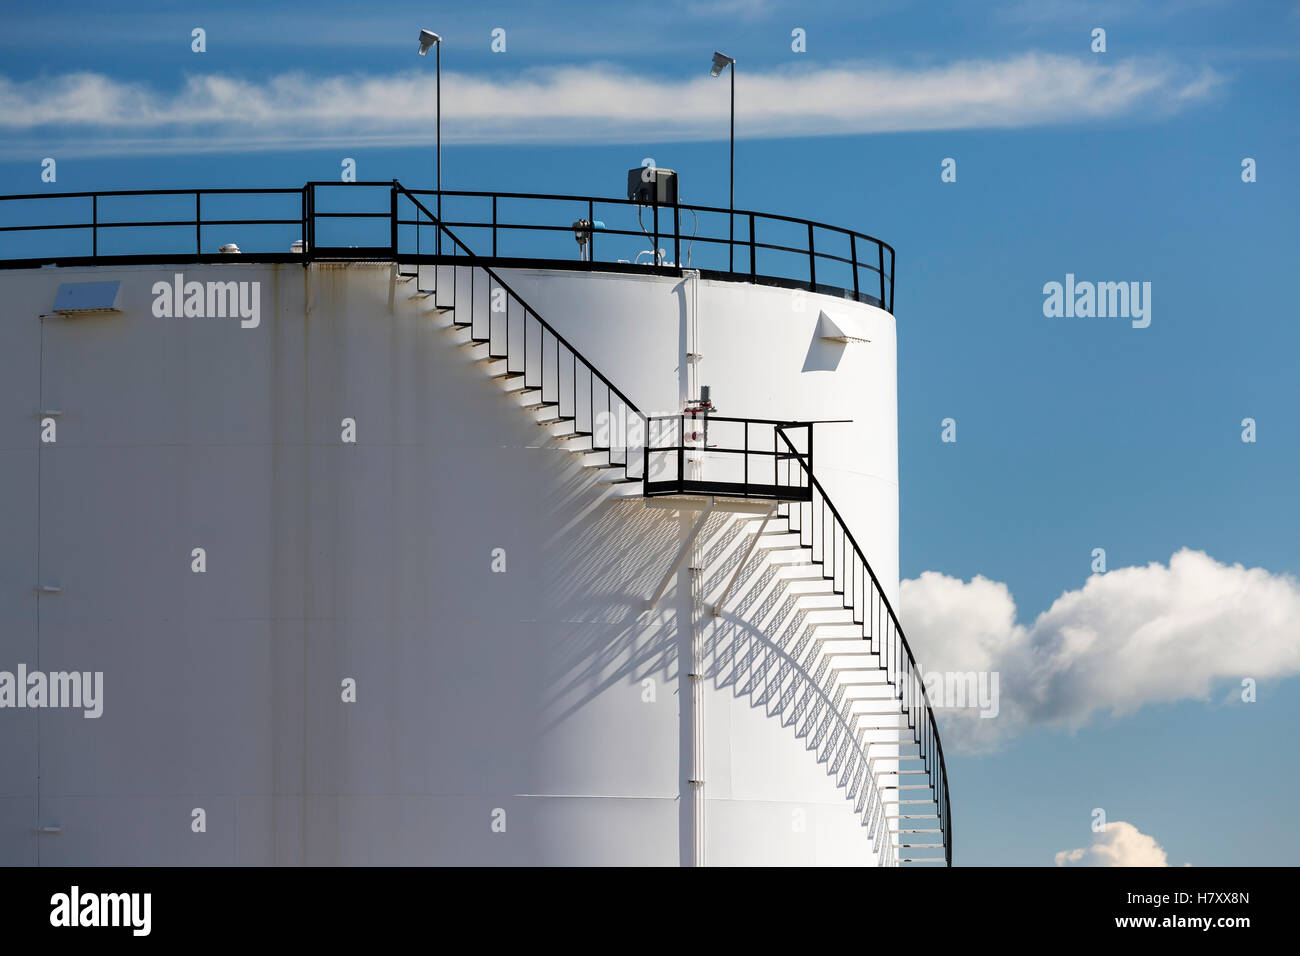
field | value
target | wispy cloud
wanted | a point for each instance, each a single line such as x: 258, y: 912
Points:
x: 1131, y: 637
x: 723, y: 9
x: 1100, y: 13
x: 94, y: 113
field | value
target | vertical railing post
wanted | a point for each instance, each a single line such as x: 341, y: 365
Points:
x: 94, y: 225
x: 880, y: 262
x: 681, y: 450
x: 494, y: 226
x: 853, y: 254
x: 812, y: 261
x: 392, y: 222
x: 809, y: 471
x: 677, y: 236
x: 591, y: 236
x: 654, y: 253
x: 198, y: 223
x: 746, y: 458
x: 752, y: 248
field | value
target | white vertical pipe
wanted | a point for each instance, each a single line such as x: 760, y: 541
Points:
x: 697, y: 702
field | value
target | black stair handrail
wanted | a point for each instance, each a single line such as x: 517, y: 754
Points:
x: 927, y: 736
x: 517, y: 297
x: 632, y: 412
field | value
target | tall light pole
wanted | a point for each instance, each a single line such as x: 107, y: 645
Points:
x: 720, y: 62
x: 430, y: 39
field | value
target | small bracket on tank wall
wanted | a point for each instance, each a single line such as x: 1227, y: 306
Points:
x: 841, y: 328
x: 87, y: 298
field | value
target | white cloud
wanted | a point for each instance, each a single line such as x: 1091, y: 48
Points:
x: 1131, y: 637
x: 93, y: 113
x: 1120, y: 844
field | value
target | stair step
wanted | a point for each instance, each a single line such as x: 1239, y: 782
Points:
x: 838, y: 662
x: 854, y: 693
x: 897, y: 731
x: 877, y: 708
x: 796, y: 571
x: 838, y: 630
x: 822, y: 601
x: 856, y: 653
x: 858, y: 676
x: 808, y: 587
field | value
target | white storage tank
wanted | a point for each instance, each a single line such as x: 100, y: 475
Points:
x: 356, y: 592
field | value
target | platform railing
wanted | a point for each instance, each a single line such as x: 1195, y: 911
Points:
x: 336, y: 220
x: 704, y: 454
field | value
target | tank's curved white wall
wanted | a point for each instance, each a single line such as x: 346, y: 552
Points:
x: 523, y: 692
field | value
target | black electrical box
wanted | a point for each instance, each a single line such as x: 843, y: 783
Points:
x: 651, y: 185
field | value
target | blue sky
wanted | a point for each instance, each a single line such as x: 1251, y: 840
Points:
x: 1073, y: 434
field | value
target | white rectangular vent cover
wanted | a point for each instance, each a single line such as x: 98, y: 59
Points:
x: 87, y: 298
x: 842, y: 328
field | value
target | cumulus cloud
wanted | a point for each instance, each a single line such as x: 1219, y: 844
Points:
x: 1120, y: 844
x: 592, y: 103
x: 1131, y: 637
